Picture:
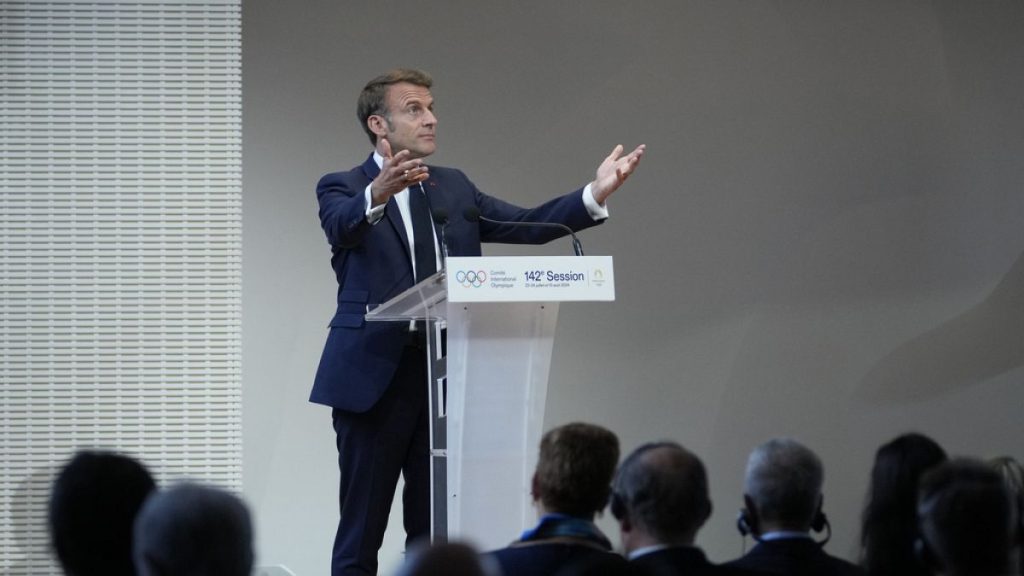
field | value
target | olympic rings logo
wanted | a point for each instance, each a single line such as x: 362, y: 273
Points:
x: 472, y: 278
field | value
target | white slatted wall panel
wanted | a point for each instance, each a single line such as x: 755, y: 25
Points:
x: 120, y: 230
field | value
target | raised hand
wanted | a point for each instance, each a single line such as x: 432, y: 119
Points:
x: 613, y: 171
x: 397, y: 173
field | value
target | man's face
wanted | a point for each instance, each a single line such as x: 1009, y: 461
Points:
x: 409, y: 123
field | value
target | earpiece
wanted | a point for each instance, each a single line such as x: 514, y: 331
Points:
x: 745, y: 524
x: 820, y: 523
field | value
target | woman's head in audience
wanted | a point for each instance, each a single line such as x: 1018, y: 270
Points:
x: 966, y: 520
x: 93, y: 504
x: 445, y: 559
x: 889, y: 522
x: 1013, y: 476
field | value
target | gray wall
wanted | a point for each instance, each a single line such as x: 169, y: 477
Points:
x: 824, y: 240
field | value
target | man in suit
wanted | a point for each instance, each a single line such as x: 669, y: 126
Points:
x: 377, y: 218
x: 782, y: 495
x: 570, y: 486
x: 660, y: 498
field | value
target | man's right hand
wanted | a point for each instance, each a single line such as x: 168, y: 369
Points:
x: 397, y: 173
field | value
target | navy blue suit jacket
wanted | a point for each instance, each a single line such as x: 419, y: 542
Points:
x: 546, y: 559
x: 793, y: 557
x: 372, y: 264
x: 681, y: 561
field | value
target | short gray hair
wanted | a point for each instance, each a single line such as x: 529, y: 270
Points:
x: 784, y: 481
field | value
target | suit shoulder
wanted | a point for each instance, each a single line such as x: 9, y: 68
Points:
x: 334, y: 178
x: 346, y: 182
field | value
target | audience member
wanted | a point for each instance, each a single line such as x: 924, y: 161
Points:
x: 889, y: 525
x: 570, y: 486
x: 192, y: 530
x: 660, y: 498
x: 783, y: 499
x: 93, y: 504
x: 1013, y: 477
x: 599, y: 565
x: 448, y: 559
x: 966, y: 520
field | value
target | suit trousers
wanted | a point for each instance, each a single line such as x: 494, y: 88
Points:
x: 392, y: 438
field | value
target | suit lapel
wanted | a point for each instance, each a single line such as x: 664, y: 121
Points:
x: 391, y: 212
x: 438, y: 203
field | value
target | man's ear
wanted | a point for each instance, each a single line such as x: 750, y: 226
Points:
x: 706, y: 512
x: 625, y: 522
x: 377, y: 124
x: 750, y: 515
x: 748, y: 503
x: 150, y: 566
x: 534, y: 492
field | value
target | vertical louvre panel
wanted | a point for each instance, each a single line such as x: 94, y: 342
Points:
x: 120, y: 247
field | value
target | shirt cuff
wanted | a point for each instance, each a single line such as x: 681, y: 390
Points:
x: 596, y: 211
x: 375, y: 213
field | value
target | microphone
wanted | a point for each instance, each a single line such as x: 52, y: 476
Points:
x: 472, y: 214
x: 441, y: 218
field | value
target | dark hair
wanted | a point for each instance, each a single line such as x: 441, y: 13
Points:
x: 574, y: 471
x: 1012, y: 473
x: 93, y: 504
x: 443, y: 559
x: 966, y: 519
x: 373, y: 98
x: 193, y: 530
x: 663, y: 488
x: 889, y: 520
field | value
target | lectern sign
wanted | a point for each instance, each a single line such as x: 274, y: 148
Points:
x: 530, y: 279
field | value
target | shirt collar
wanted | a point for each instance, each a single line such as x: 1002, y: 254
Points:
x: 655, y: 548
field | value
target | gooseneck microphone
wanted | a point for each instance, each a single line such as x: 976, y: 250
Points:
x: 472, y: 214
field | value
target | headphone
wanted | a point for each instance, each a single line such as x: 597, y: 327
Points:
x: 746, y: 524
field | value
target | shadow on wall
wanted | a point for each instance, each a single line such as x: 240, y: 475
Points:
x: 981, y: 343
x: 27, y: 513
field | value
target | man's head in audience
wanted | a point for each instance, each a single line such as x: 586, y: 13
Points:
x: 966, y: 520
x: 575, y: 468
x: 93, y: 504
x: 782, y: 489
x: 660, y: 496
x: 193, y: 530
x: 445, y: 559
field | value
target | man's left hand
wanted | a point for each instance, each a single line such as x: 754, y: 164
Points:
x: 614, y: 171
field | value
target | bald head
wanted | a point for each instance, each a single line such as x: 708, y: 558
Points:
x: 661, y: 490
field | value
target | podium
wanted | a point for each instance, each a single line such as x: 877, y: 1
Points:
x: 490, y: 324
